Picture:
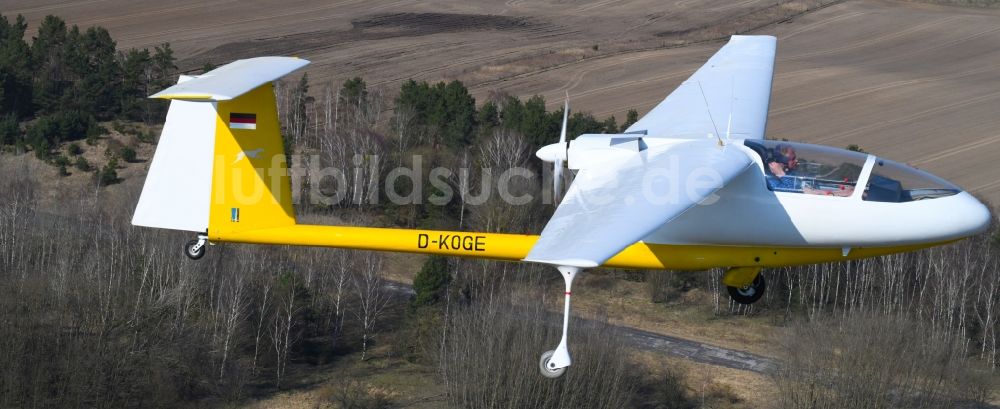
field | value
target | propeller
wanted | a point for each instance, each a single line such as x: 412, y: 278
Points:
x: 556, y: 154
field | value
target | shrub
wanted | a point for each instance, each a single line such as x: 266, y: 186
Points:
x: 82, y: 164
x: 109, y: 174
x: 74, y: 149
x: 60, y: 160
x: 146, y: 136
x: 94, y: 133
x: 352, y: 394
x: 10, y: 132
x: 127, y: 154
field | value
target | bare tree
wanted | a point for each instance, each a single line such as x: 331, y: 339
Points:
x: 372, y: 297
x: 234, y: 306
x: 284, y: 324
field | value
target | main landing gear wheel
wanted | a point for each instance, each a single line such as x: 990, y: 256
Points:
x: 195, y: 249
x: 543, y: 365
x: 749, y: 294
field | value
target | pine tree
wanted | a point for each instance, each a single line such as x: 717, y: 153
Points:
x: 354, y: 92
x: 162, y: 75
x: 431, y: 281
x: 15, y: 69
x: 512, y: 114
x: 488, y: 118
x: 163, y: 68
x: 537, y: 126
x: 630, y: 118
x: 109, y: 174
x: 610, y: 125
x: 460, y: 115
x: 100, y: 77
x: 135, y: 66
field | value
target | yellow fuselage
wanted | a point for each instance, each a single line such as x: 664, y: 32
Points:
x: 514, y: 247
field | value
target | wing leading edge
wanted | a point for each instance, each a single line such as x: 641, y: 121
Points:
x: 610, y: 207
x: 729, y: 95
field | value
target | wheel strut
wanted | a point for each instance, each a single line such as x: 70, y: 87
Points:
x: 554, y: 363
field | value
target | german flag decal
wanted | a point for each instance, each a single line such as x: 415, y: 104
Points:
x: 242, y: 121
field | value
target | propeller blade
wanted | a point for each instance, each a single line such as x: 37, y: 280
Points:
x: 557, y: 173
x: 557, y: 179
x: 562, y: 135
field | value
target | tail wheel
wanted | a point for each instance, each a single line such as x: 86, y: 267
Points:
x: 194, y: 249
x: 749, y: 294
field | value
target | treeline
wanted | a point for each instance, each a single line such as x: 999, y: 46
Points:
x: 448, y: 112
x: 437, y: 114
x: 368, y: 132
x: 56, y: 87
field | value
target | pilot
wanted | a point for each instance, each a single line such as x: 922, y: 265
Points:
x: 781, y: 166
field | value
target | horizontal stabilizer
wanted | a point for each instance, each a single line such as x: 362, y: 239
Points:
x: 232, y: 80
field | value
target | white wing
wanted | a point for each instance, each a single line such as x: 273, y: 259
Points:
x: 729, y: 95
x: 612, y: 206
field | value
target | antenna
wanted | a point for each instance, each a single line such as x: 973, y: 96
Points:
x: 732, y: 101
x: 717, y: 135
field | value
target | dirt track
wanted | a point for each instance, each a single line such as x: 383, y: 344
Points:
x: 911, y: 82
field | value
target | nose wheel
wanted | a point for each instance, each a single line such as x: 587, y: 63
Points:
x: 195, y: 249
x: 554, y: 363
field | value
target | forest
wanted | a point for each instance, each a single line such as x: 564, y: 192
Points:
x: 98, y: 313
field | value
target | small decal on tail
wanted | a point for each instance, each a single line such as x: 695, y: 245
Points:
x: 252, y: 154
x: 235, y: 215
x: 242, y: 121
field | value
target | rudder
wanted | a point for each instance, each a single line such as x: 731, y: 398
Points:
x: 250, y: 181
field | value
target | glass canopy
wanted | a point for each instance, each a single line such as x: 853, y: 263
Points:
x: 820, y: 170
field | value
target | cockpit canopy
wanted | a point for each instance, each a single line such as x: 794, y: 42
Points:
x: 895, y: 182
x: 820, y: 170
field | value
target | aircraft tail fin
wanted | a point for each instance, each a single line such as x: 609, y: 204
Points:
x: 220, y: 164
